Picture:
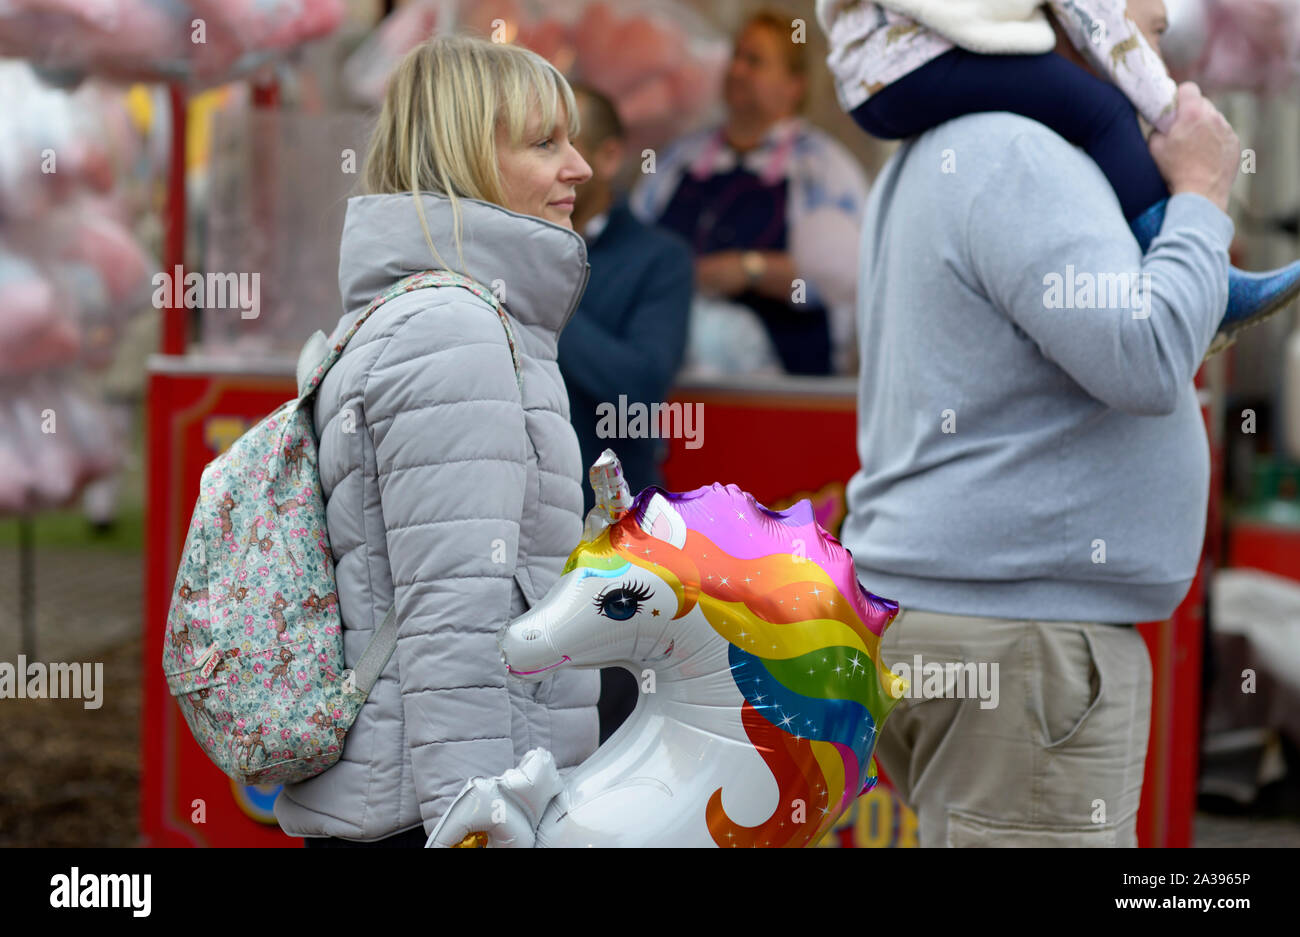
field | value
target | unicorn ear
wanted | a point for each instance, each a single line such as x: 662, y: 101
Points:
x: 662, y: 521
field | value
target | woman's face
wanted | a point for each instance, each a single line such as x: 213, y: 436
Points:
x: 540, y: 176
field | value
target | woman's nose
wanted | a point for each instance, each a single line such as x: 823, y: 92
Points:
x: 577, y: 169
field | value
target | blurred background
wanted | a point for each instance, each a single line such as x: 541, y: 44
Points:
x: 130, y: 146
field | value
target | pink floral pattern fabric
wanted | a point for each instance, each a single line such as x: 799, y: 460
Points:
x: 253, y: 647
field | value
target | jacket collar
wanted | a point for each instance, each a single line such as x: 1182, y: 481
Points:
x: 542, y: 266
x: 615, y: 217
x: 770, y: 160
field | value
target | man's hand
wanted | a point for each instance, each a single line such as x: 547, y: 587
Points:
x: 720, y: 274
x: 1200, y: 153
x: 723, y: 274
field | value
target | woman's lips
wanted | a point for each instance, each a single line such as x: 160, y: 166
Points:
x: 563, y: 203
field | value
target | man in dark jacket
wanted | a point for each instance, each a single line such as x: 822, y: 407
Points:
x: 628, y: 335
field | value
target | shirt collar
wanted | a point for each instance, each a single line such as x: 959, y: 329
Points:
x: 769, y: 160
x: 595, y: 226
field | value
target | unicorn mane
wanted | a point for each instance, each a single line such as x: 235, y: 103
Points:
x: 804, y: 644
x: 776, y: 532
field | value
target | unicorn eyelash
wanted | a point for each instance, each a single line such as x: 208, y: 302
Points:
x: 618, y: 599
x: 636, y: 590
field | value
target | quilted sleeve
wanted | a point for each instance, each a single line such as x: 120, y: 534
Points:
x: 451, y: 449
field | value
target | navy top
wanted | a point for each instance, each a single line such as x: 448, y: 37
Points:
x: 737, y: 210
x: 627, y: 337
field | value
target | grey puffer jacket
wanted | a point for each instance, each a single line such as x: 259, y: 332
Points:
x: 439, y: 478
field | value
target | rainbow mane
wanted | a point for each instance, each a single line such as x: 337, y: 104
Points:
x: 805, y: 645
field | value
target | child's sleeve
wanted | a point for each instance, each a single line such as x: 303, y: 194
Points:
x: 1112, y: 43
x: 870, y: 47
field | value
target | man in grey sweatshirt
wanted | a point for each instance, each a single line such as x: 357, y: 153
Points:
x: 1034, y: 464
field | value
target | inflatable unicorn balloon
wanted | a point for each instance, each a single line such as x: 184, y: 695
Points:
x: 758, y: 655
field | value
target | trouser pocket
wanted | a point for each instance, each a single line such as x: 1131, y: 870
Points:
x: 1070, y: 685
x: 1088, y: 715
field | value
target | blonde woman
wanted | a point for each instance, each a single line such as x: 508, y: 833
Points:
x: 452, y: 489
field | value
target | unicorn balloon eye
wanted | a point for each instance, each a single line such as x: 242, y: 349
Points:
x: 622, y: 603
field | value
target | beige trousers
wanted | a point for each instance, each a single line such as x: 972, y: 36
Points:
x: 1041, y: 743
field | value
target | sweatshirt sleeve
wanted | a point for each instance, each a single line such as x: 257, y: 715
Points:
x: 1049, y: 246
x: 445, y: 416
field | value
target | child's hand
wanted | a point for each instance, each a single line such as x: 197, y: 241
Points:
x: 1200, y: 153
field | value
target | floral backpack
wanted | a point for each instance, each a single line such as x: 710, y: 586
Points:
x: 253, y: 649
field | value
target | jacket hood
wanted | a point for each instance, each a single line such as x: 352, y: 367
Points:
x: 542, y: 265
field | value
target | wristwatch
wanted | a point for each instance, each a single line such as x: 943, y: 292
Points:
x: 754, y: 265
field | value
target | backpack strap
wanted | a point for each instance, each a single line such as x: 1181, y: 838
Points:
x: 317, y: 348
x: 361, y: 679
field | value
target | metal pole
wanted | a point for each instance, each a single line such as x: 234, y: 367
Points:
x: 175, y: 323
x: 27, y: 586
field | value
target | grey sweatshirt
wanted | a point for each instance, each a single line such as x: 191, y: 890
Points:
x: 1029, y: 433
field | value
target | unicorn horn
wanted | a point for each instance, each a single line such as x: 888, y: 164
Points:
x: 613, y: 497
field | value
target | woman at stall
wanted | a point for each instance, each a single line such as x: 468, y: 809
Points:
x: 451, y: 474
x: 769, y: 203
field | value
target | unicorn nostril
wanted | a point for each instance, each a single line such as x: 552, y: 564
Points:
x: 532, y: 635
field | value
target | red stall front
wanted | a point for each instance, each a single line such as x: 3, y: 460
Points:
x: 197, y: 408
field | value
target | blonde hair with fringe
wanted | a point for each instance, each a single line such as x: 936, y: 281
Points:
x: 437, y: 129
